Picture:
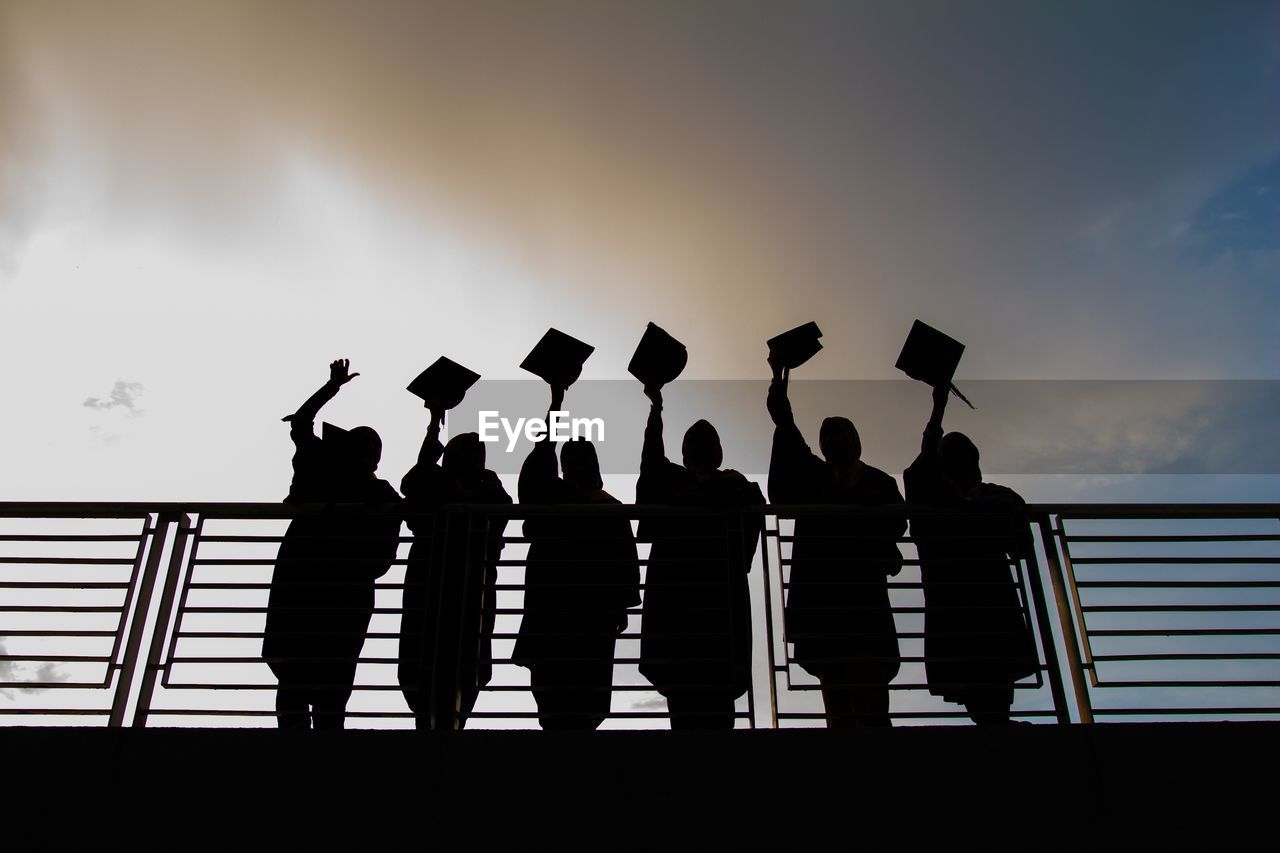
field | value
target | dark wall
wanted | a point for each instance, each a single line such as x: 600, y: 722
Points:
x: 1028, y: 787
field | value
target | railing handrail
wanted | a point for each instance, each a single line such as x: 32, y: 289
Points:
x: 166, y: 528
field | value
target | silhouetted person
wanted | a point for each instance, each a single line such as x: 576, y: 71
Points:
x: 322, y: 589
x: 695, y: 645
x: 838, y: 612
x: 434, y: 606
x: 581, y: 576
x: 976, y: 639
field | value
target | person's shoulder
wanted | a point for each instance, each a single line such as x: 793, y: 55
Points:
x: 493, y: 488
x: 997, y: 494
x: 383, y: 492
x: 878, y: 477
x: 736, y: 483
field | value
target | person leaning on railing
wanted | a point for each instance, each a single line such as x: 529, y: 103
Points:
x: 322, y: 588
x: 976, y: 639
x: 838, y: 612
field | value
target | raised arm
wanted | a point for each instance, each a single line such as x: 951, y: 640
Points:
x: 933, y: 429
x: 339, y: 375
x: 653, y: 455
x: 539, y: 470
x: 432, y: 449
x: 777, y: 403
x: 425, y: 477
x: 793, y: 466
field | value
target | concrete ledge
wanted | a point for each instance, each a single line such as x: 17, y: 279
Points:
x: 1132, y: 786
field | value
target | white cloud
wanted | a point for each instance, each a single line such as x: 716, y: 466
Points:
x: 123, y: 395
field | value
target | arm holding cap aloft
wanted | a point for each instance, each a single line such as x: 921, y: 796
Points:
x: 540, y: 471
x: 432, y: 449
x: 653, y: 454
x: 933, y: 429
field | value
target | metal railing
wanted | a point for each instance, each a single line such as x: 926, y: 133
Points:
x: 137, y: 614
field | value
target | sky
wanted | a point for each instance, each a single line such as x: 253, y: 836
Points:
x: 203, y: 204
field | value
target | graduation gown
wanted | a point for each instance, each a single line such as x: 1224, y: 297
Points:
x: 322, y: 587
x: 976, y: 633
x: 837, y: 613
x: 433, y: 609
x: 581, y: 575
x: 696, y: 628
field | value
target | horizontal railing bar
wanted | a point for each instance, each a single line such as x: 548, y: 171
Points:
x: 249, y: 635
x: 54, y: 685
x: 40, y: 608
x: 57, y: 712
x: 1191, y: 656
x: 908, y: 715
x: 63, y: 585
x: 1187, y: 683
x: 59, y: 658
x: 260, y: 510
x: 1155, y: 511
x: 54, y: 633
x: 68, y: 561
x: 1177, y: 584
x: 1121, y: 560
x: 1174, y: 711
x: 75, y: 537
x: 1182, y: 632
x: 1181, y: 608
x: 1176, y: 537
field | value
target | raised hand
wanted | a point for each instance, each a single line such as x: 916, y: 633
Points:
x: 340, y: 372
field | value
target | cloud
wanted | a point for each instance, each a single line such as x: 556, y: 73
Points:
x: 652, y: 703
x: 13, y: 675
x: 123, y: 395
x: 1240, y: 221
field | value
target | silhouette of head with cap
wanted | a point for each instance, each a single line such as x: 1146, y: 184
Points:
x: 960, y: 460
x: 701, y: 448
x: 464, y: 456
x: 580, y: 465
x: 839, y: 442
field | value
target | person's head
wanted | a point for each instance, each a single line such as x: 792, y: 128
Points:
x: 464, y: 456
x: 839, y: 442
x: 580, y: 465
x: 701, y: 448
x: 365, y: 447
x: 960, y: 460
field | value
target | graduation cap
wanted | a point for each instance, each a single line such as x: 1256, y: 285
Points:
x: 797, y: 346
x: 931, y: 357
x: 659, y: 358
x: 557, y: 357
x: 336, y: 439
x: 444, y: 382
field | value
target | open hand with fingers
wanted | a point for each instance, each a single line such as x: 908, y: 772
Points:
x: 340, y: 372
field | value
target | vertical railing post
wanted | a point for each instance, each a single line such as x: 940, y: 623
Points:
x: 434, y: 658
x: 767, y: 586
x: 138, y: 623
x: 163, y: 614
x: 735, y: 524
x: 1084, y: 708
x: 1045, y: 628
x: 472, y: 608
